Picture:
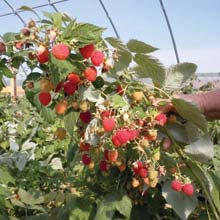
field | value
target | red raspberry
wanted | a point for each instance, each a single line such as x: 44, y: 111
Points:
x: 188, y: 189
x: 176, y: 185
x: 133, y: 134
x: 137, y: 166
x: 123, y: 136
x: 74, y: 78
x: 86, y: 159
x: 85, y: 117
x: 112, y: 155
x: 43, y: 56
x: 2, y: 47
x: 162, y: 119
x: 69, y: 88
x: 84, y: 146
x: 106, y: 154
x: 115, y: 141
x: 106, y: 114
x: 60, y: 51
x: 108, y: 124
x: 90, y: 73
x: 87, y: 51
x: 103, y: 165
x: 143, y: 172
x: 97, y: 57
x: 59, y: 86
x: 120, y: 90
x: 44, y: 98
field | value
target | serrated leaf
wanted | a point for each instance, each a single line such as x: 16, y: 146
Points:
x: 202, y: 150
x: 4, y: 70
x: 85, y: 33
x: 124, y: 55
x: 178, y: 76
x: 67, y: 33
x: 10, y: 36
x: 30, y: 197
x: 6, y: 176
x: 205, y: 178
x: 81, y: 207
x: 182, y: 204
x: 117, y: 200
x: 59, y: 69
x: 190, y: 112
x: 137, y: 46
x: 118, y: 101
x: 152, y: 68
x: 70, y: 120
x: 48, y: 114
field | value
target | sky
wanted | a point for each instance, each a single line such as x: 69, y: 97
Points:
x: 195, y: 24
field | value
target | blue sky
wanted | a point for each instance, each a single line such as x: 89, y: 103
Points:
x: 195, y: 23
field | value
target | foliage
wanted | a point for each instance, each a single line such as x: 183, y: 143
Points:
x: 95, y: 146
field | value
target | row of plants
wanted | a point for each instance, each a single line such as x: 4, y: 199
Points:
x: 111, y: 151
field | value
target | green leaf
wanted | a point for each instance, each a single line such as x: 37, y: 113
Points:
x: 56, y: 18
x: 81, y: 208
x: 206, y: 180
x: 190, y: 112
x: 202, y: 150
x: 152, y: 68
x: 26, y: 8
x: 67, y: 32
x: 48, y: 114
x: 182, y: 204
x: 117, y: 200
x: 178, y: 76
x: 10, y: 36
x: 118, y: 101
x: 59, y: 69
x: 139, y: 213
x: 6, y: 72
x: 6, y: 176
x: 70, y: 120
x: 85, y: 33
x: 124, y: 55
x: 31, y: 197
x: 137, y: 46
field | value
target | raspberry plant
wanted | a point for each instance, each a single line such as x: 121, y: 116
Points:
x: 126, y: 158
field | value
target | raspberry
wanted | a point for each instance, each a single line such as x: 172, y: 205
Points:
x: 69, y: 88
x: 106, y: 114
x: 108, y: 124
x: 52, y: 35
x: 2, y: 47
x: 166, y: 143
x: 137, y: 166
x: 138, y: 96
x: 84, y: 146
x: 106, y: 154
x: 61, y: 107
x: 162, y: 119
x: 85, y: 117
x: 43, y: 56
x: 176, y: 185
x: 123, y: 136
x: 120, y: 90
x: 74, y: 78
x: 112, y: 155
x: 143, y: 172
x: 115, y: 141
x: 44, y: 98
x: 59, y: 86
x: 97, y: 57
x: 188, y: 189
x: 87, y: 51
x: 60, y: 51
x: 133, y: 134
x: 103, y: 165
x: 86, y: 159
x: 90, y: 73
